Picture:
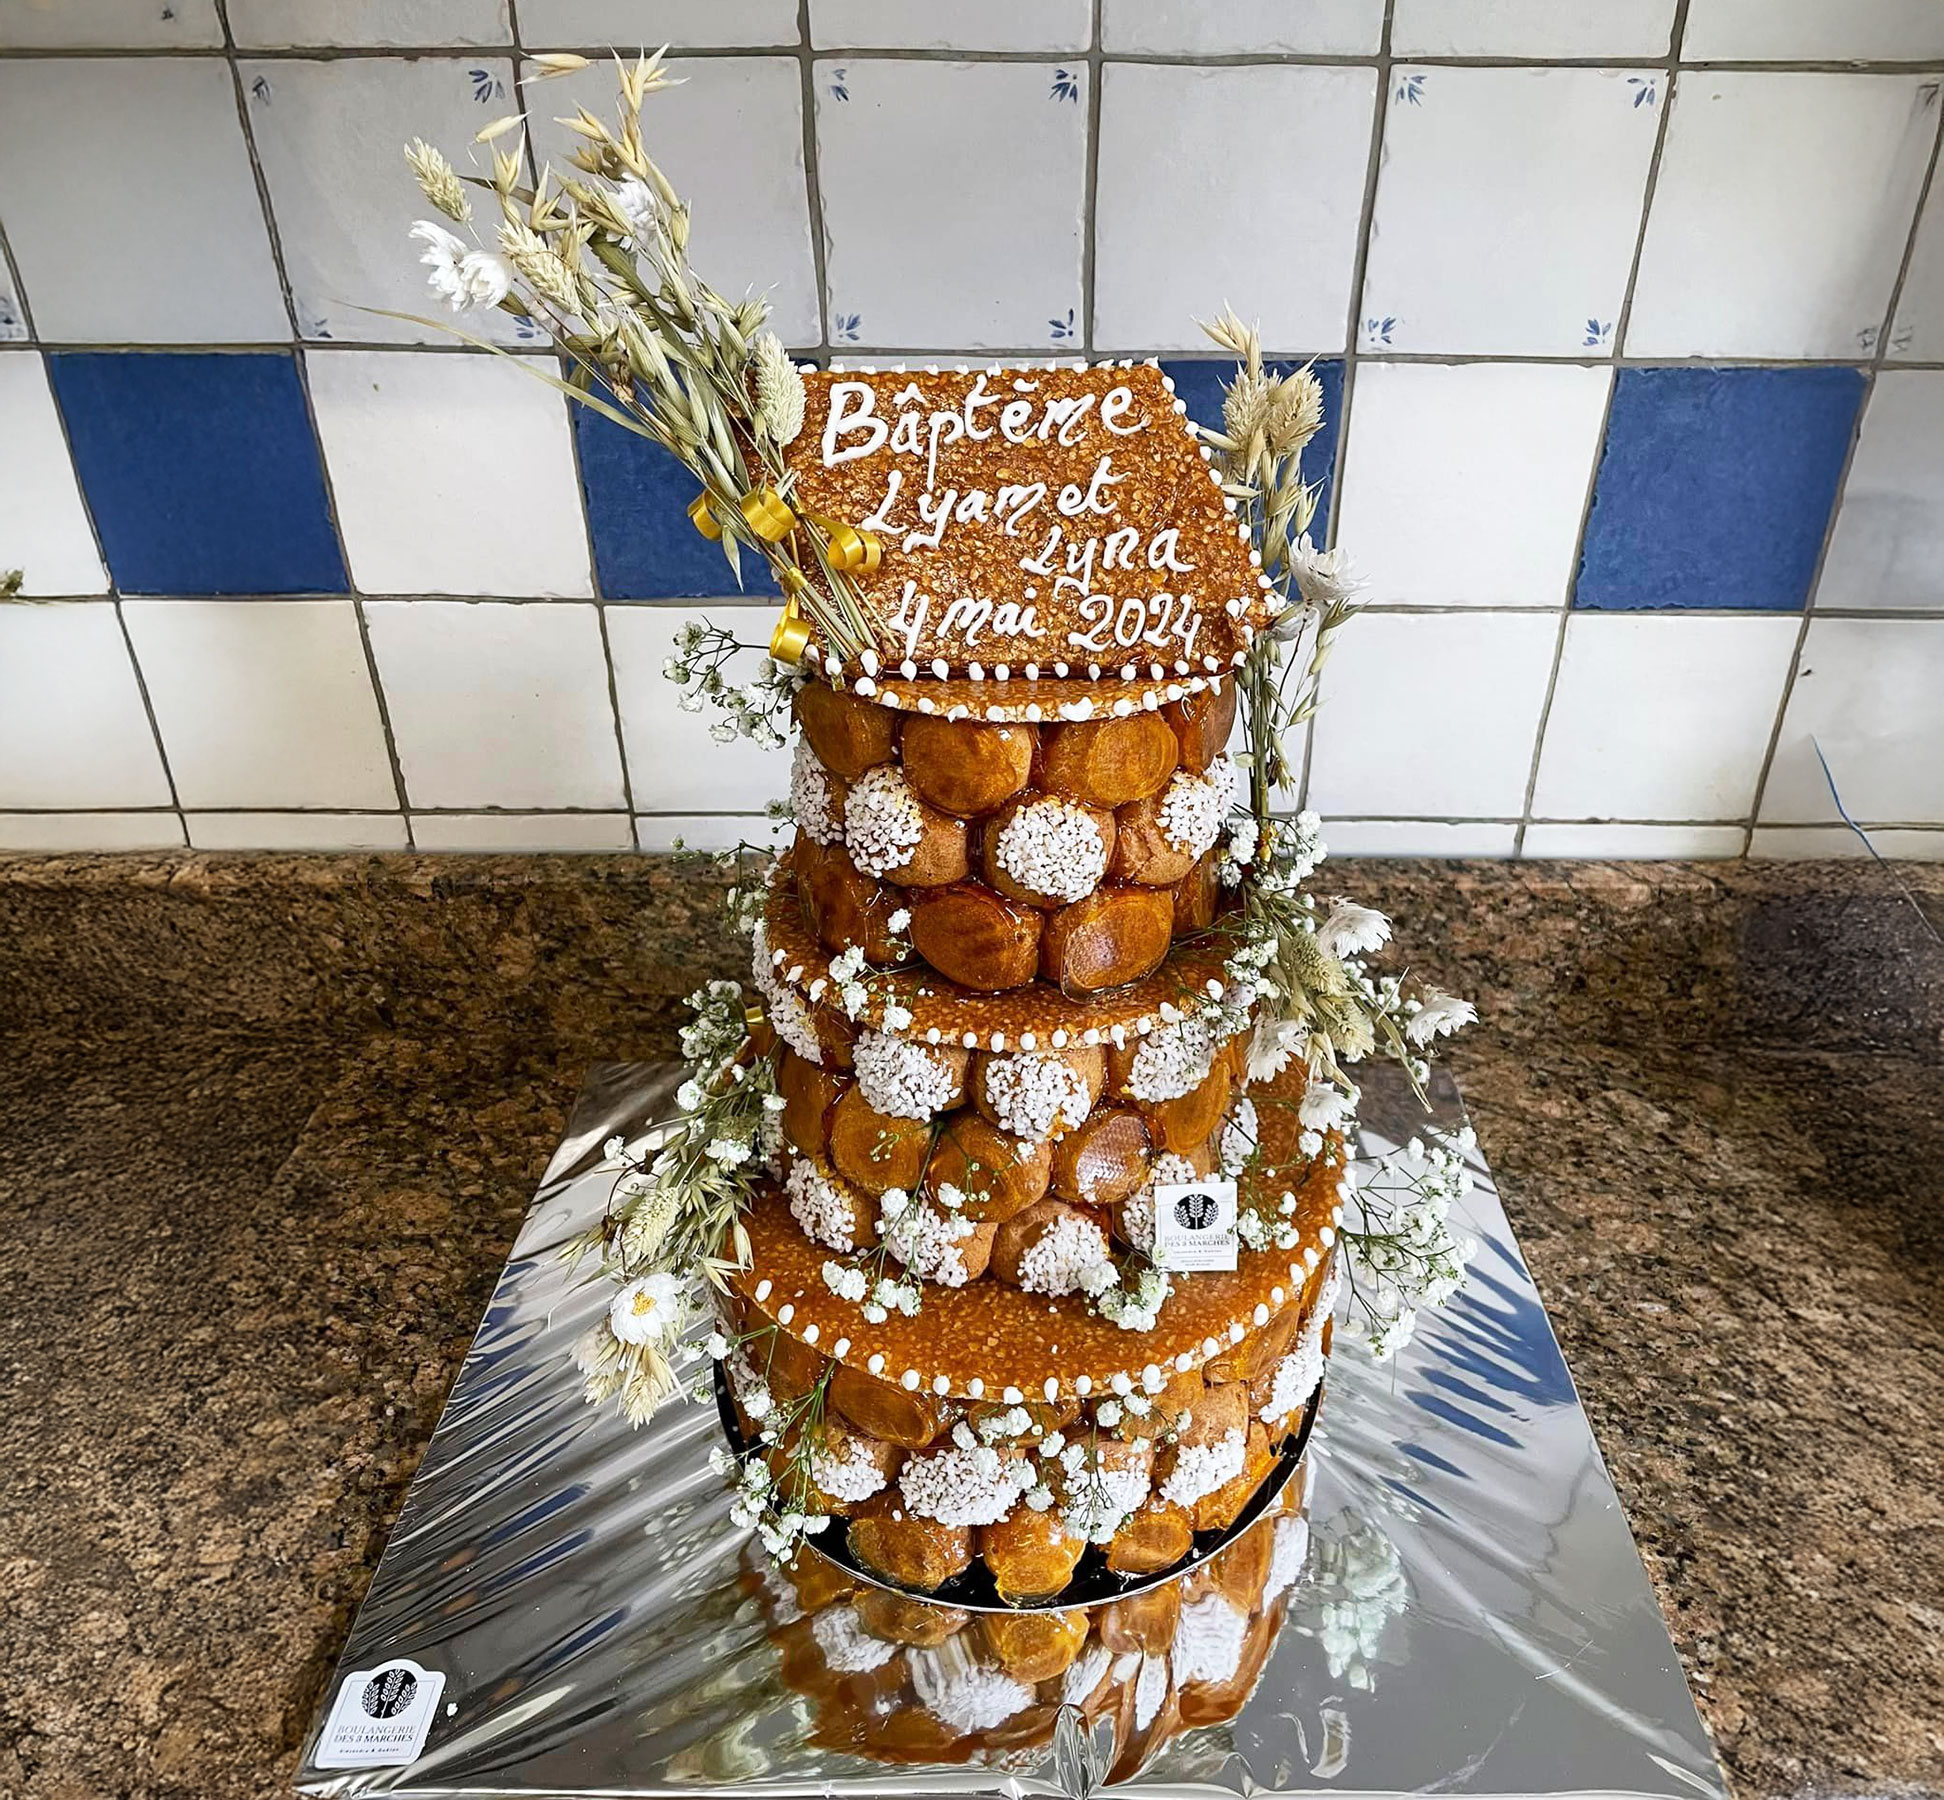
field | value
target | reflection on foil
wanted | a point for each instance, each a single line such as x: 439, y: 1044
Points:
x: 1447, y: 1601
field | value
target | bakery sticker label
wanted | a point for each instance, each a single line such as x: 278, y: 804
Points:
x: 1194, y: 1226
x: 381, y: 1717
x: 1048, y: 517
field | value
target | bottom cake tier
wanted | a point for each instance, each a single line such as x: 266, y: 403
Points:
x: 902, y: 1680
x: 995, y: 1437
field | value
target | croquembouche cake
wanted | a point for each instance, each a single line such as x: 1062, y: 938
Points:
x: 1012, y: 1188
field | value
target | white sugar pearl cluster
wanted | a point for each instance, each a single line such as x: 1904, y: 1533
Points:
x: 811, y: 798
x: 1061, y: 1258
x: 1209, y: 1639
x: 787, y: 1013
x: 1239, y: 1137
x: 826, y: 1209
x: 883, y: 820
x: 1201, y: 1468
x: 901, y: 1079
x: 1194, y: 806
x: 1137, y: 1213
x: 853, y: 1476
x: 1052, y: 847
x: 1172, y: 1061
x: 969, y: 1484
x: 847, y: 1647
x: 1031, y: 1095
x: 926, y: 1240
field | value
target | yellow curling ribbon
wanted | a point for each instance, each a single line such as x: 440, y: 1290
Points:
x: 766, y: 515
x: 702, y: 517
x: 792, y: 634
x: 849, y: 550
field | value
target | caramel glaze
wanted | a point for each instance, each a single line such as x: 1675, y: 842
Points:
x: 1002, y: 1337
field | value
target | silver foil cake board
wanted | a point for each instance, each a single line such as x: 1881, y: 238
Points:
x: 565, y: 1608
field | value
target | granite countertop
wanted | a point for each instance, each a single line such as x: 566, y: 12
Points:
x: 270, y: 1123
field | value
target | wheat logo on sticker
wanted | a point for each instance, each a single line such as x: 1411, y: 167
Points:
x: 380, y: 1717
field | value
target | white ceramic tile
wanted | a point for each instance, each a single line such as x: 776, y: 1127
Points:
x: 1195, y: 28
x: 674, y: 764
x: 951, y: 25
x: 633, y: 25
x: 1183, y: 225
x: 109, y: 25
x: 1541, y: 28
x: 1888, y: 547
x: 1508, y: 204
x: 952, y: 201
x: 297, y: 24
x: 1866, y: 692
x: 1416, y: 837
x: 1813, y: 31
x: 90, y: 831
x: 452, y: 474
x: 1781, y: 213
x: 522, y: 831
x: 345, y: 201
x: 1661, y: 717
x: 297, y: 831
x: 1918, y: 333
x: 1838, y: 842
x: 1401, y: 733
x: 730, y: 138
x: 1464, y: 485
x: 497, y: 705
x: 72, y: 728
x: 1636, y: 843
x: 263, y: 703
x: 184, y: 256
x: 710, y: 831
x: 44, y: 529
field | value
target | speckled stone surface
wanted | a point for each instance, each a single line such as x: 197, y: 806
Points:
x: 267, y: 1126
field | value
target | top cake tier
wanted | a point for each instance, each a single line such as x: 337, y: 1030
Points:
x: 1051, y: 542
x: 998, y: 854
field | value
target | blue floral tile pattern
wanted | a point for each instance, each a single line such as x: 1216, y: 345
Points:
x: 645, y: 547
x: 1200, y: 385
x: 1715, y: 486
x: 202, y: 471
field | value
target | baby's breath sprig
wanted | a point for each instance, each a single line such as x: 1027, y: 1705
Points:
x: 777, y: 1493
x: 1404, y: 1255
x: 758, y: 710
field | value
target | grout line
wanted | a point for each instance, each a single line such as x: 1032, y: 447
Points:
x: 155, y: 724
x: 1623, y: 320
x: 1352, y: 336
x: 813, y: 180
x: 1090, y: 191
x: 614, y: 711
x: 1884, y: 333
x: 1038, y: 353
x: 1914, y: 65
x: 384, y: 715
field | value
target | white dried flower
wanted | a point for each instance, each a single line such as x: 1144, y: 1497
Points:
x: 1437, y: 1015
x: 651, y: 1309
x: 1325, y: 1106
x: 461, y: 276
x: 1323, y: 577
x: 1350, y: 930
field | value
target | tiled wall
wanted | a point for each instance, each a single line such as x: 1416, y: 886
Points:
x: 1631, y: 313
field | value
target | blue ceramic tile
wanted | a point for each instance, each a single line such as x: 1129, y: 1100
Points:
x: 202, y: 471
x: 1201, y: 383
x: 1715, y: 487
x: 645, y: 548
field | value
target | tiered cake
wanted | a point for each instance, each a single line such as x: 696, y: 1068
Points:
x: 993, y: 965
